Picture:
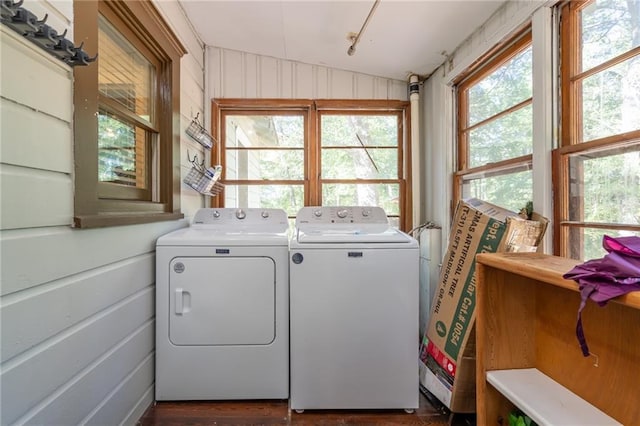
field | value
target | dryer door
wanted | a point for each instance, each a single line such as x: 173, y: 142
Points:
x: 222, y: 301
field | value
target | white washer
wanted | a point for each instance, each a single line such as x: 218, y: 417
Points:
x: 222, y: 307
x: 353, y: 311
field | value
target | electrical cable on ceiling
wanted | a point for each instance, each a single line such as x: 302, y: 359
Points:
x: 352, y: 48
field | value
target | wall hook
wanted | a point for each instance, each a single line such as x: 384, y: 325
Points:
x: 197, y: 164
x: 81, y: 57
x: 8, y: 9
x: 47, y: 37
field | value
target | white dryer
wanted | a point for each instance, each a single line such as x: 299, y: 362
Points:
x: 353, y: 311
x: 222, y: 307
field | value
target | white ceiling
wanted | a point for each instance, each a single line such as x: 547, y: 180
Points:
x: 401, y: 38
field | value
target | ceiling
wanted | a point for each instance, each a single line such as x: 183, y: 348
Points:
x: 401, y: 37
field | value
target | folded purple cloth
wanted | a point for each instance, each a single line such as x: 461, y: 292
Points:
x: 600, y: 280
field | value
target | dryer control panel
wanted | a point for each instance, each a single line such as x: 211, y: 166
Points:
x: 341, y: 214
x: 240, y: 217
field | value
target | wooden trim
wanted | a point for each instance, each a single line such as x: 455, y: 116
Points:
x: 353, y: 105
x: 559, y: 183
x: 215, y: 155
x: 566, y: 204
x: 501, y: 114
x: 406, y: 173
x: 143, y: 20
x: 313, y: 189
x: 523, y: 31
x: 114, y: 107
x: 362, y: 181
x: 501, y: 54
x: 622, y: 139
x: 606, y: 65
x: 263, y: 182
x: 104, y: 220
x: 264, y: 148
x: 496, y: 168
x: 312, y: 111
x: 599, y: 225
x: 85, y: 100
x: 490, y: 62
x: 338, y: 147
x: 265, y: 104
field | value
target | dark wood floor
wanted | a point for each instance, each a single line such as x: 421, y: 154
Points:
x: 278, y: 413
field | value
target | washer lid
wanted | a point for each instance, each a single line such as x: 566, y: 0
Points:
x: 193, y: 236
x: 351, y: 234
x: 230, y: 226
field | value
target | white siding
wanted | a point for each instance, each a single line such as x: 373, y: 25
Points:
x: 76, y: 306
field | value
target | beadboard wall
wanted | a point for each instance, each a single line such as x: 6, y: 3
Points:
x: 234, y: 74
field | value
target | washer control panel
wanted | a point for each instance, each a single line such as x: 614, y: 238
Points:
x: 245, y: 217
x: 341, y: 214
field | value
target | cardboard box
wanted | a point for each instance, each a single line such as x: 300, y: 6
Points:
x: 447, y: 353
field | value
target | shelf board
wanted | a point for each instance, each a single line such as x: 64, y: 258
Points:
x: 546, y: 268
x: 544, y: 400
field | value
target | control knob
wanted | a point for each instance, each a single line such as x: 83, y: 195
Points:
x: 317, y: 213
x: 240, y: 214
x: 216, y: 214
x: 265, y: 214
x: 342, y: 213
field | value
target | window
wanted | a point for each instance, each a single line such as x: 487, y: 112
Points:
x: 289, y: 154
x: 495, y: 130
x: 597, y: 179
x: 125, y: 104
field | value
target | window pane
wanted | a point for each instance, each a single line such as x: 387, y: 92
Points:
x: 264, y: 164
x: 606, y: 188
x: 124, y: 74
x: 511, y: 191
x: 121, y: 152
x: 358, y: 163
x: 287, y: 197
x: 507, y: 137
x: 609, y: 28
x: 358, y: 130
x: 385, y: 195
x: 586, y: 243
x: 507, y: 86
x: 264, y: 131
x: 610, y: 100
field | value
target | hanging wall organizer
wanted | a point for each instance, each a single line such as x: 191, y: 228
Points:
x: 203, y: 179
x: 199, y: 134
x: 26, y: 23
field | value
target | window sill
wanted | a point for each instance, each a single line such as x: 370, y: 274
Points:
x: 122, y: 219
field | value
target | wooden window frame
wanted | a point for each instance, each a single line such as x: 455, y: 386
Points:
x: 313, y: 110
x: 488, y: 64
x: 143, y: 26
x: 571, y: 142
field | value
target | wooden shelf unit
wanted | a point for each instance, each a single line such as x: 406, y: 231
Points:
x: 526, y: 317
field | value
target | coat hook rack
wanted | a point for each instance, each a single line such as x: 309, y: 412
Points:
x: 27, y: 24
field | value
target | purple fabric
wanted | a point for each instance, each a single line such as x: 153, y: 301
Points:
x: 600, y: 280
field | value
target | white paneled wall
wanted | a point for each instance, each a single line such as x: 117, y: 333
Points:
x: 76, y: 306
x: 234, y: 74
